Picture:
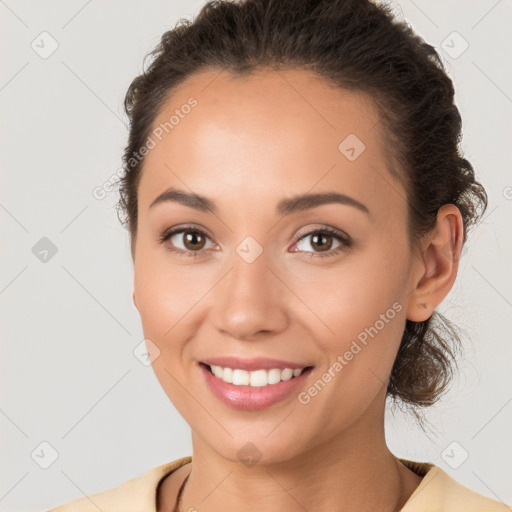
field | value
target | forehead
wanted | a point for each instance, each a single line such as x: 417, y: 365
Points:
x: 271, y: 133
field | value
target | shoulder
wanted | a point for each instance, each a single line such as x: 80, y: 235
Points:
x: 135, y: 494
x: 459, y: 497
x: 439, y: 492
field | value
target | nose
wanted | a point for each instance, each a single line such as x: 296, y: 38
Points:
x: 250, y: 302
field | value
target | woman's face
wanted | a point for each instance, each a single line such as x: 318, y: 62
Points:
x: 256, y: 282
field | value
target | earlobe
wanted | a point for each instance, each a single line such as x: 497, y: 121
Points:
x: 438, y: 265
x: 419, y: 312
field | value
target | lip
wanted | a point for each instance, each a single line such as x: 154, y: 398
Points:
x: 258, y: 363
x: 250, y: 398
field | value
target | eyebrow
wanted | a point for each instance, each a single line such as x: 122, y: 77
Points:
x: 286, y: 206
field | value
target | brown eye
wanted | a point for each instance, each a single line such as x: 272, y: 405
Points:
x: 185, y: 241
x: 321, y: 240
x: 193, y: 240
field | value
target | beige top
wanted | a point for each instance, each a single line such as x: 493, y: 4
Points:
x: 437, y: 492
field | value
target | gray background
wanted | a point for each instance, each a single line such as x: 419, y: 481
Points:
x: 68, y: 373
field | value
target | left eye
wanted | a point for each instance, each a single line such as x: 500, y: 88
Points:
x: 322, y: 241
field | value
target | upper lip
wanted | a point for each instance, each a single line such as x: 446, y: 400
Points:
x: 258, y: 363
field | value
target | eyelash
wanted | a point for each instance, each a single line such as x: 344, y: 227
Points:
x: 346, y: 242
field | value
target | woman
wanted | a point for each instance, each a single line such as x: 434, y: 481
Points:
x: 297, y: 205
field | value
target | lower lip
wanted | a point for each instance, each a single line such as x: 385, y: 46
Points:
x: 250, y: 398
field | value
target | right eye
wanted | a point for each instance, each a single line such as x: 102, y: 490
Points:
x: 192, y: 243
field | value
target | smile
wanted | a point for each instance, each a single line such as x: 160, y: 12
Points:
x: 256, y: 378
x: 253, y: 390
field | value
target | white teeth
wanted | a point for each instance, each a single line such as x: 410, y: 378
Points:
x: 274, y: 376
x: 217, y: 371
x: 227, y: 376
x: 287, y: 374
x: 256, y: 378
x: 240, y: 377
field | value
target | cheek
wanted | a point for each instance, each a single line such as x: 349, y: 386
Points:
x: 352, y: 297
x: 360, y: 354
x: 166, y: 294
x: 164, y: 289
x: 169, y: 300
x: 361, y: 304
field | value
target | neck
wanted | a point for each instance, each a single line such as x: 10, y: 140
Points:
x: 351, y: 471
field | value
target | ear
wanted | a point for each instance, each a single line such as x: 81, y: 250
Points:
x: 436, y: 269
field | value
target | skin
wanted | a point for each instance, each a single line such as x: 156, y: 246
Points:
x: 249, y: 143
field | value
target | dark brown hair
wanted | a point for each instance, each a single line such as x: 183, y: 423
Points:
x: 354, y: 45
